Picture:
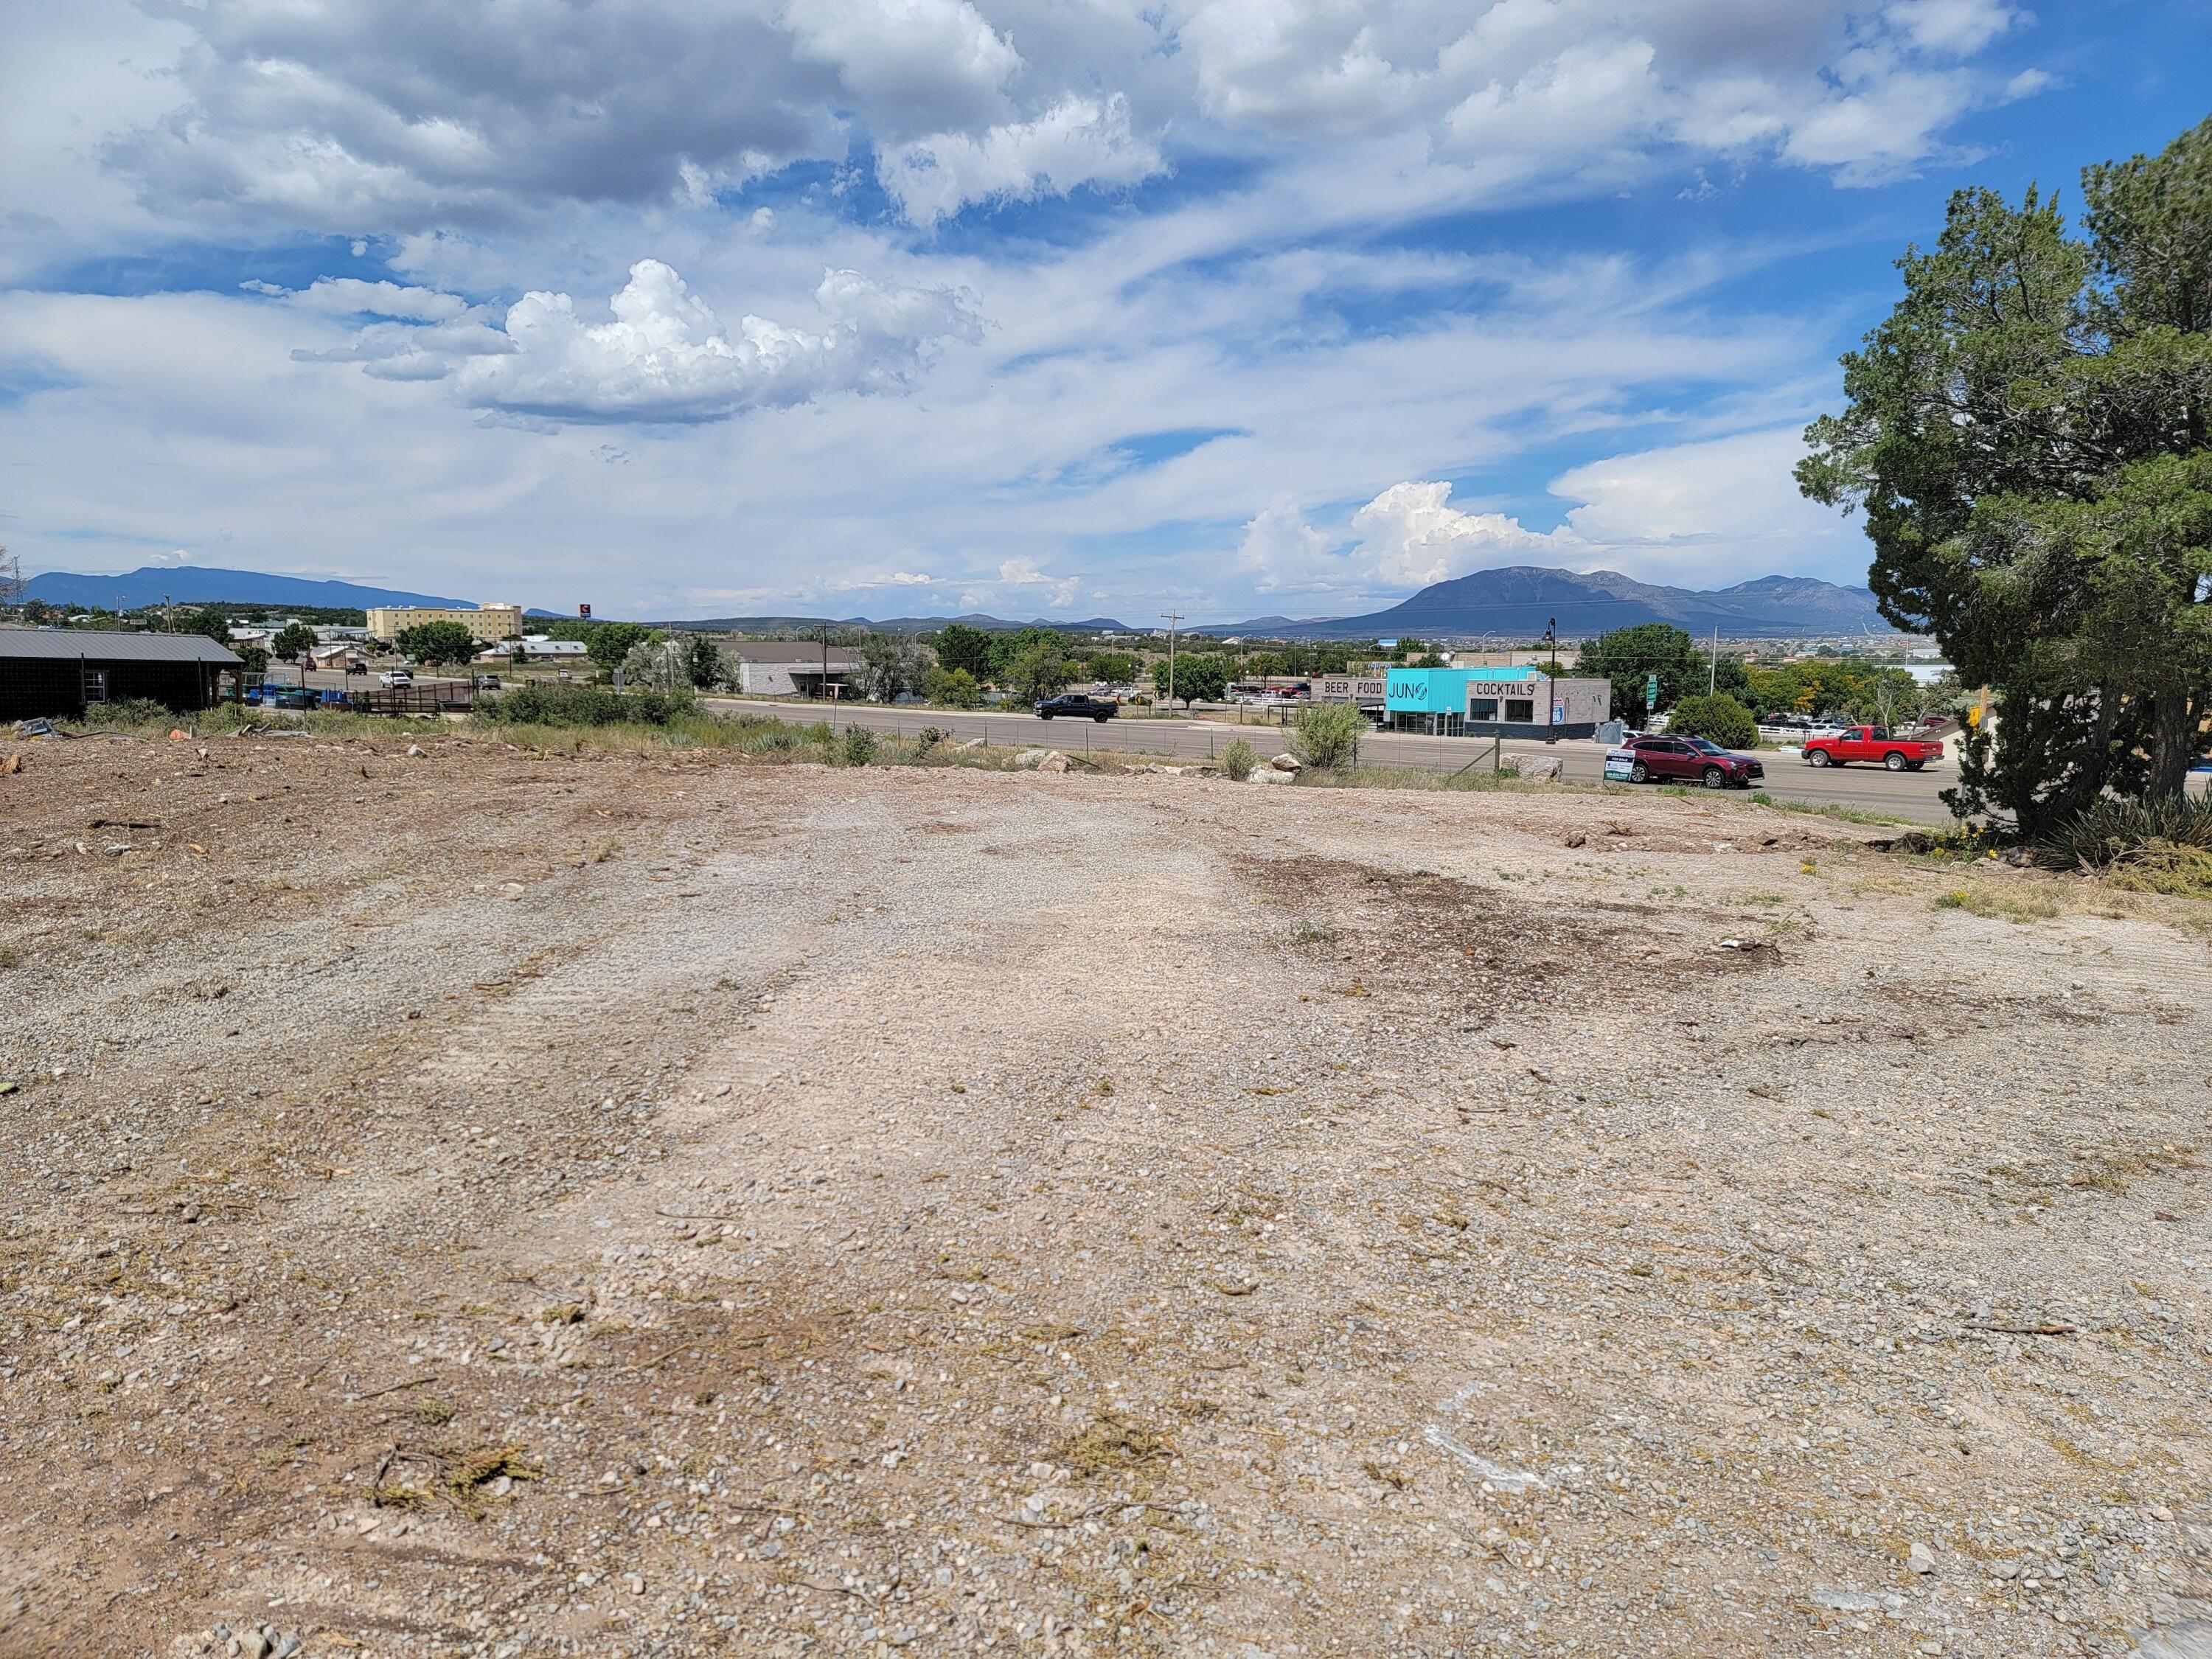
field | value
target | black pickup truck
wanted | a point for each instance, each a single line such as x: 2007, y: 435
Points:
x: 1076, y: 705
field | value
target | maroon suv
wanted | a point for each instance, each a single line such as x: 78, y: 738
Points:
x: 1691, y: 760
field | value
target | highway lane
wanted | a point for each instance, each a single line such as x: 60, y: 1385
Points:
x: 1867, y: 789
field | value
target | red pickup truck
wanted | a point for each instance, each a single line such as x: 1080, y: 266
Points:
x: 1873, y: 743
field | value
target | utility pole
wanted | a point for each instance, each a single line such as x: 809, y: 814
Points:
x: 1552, y: 639
x: 821, y: 634
x: 1713, y: 664
x: 1171, y: 617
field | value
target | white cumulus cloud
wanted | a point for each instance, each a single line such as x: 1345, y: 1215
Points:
x: 919, y: 63
x: 349, y: 296
x: 1284, y: 554
x: 870, y: 583
x: 666, y: 355
x: 1062, y: 591
x: 1410, y: 536
x: 1522, y: 90
x: 1079, y: 141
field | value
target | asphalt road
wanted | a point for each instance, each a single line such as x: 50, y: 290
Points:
x: 1868, y: 789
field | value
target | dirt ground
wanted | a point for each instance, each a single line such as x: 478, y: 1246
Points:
x: 481, y: 1203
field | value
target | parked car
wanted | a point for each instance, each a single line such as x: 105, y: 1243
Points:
x: 1690, y: 760
x: 1078, y: 704
x: 1871, y: 743
x: 487, y: 682
x: 360, y: 668
x: 397, y: 677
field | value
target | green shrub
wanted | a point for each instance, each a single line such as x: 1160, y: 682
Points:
x: 129, y: 711
x: 1238, y: 760
x: 926, y: 739
x: 1717, y: 719
x: 1327, y: 735
x: 2111, y: 833
x: 951, y: 688
x: 777, y: 737
x: 858, y: 746
x: 541, y: 702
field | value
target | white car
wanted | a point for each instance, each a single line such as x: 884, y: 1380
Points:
x: 397, y: 677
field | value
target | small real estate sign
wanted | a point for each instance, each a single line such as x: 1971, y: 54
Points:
x: 1619, y: 763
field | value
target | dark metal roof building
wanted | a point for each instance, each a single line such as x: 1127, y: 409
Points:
x: 47, y: 671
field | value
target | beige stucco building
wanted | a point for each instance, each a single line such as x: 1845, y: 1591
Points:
x: 487, y: 622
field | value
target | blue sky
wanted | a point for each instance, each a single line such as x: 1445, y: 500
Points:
x: 899, y: 307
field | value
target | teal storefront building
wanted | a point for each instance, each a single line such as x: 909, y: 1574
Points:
x: 1512, y: 702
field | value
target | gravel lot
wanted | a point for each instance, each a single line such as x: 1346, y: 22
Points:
x: 483, y: 1203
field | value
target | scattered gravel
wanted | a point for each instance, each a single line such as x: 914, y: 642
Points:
x: 478, y: 1203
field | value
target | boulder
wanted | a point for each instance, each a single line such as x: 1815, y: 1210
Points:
x: 1029, y: 759
x: 1538, y: 765
x: 1053, y: 761
x: 1272, y: 774
x: 1286, y: 762
x: 972, y: 743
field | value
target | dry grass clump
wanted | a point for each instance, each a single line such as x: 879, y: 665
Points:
x: 2116, y: 1172
x: 2163, y: 866
x: 1998, y: 904
x: 1114, y: 1441
x: 468, y: 1478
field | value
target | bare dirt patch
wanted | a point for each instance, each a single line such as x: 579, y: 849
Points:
x: 649, y: 1204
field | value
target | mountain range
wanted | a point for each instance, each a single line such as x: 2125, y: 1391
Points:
x: 1520, y: 601
x: 978, y: 619
x: 1515, y: 603
x: 194, y: 584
